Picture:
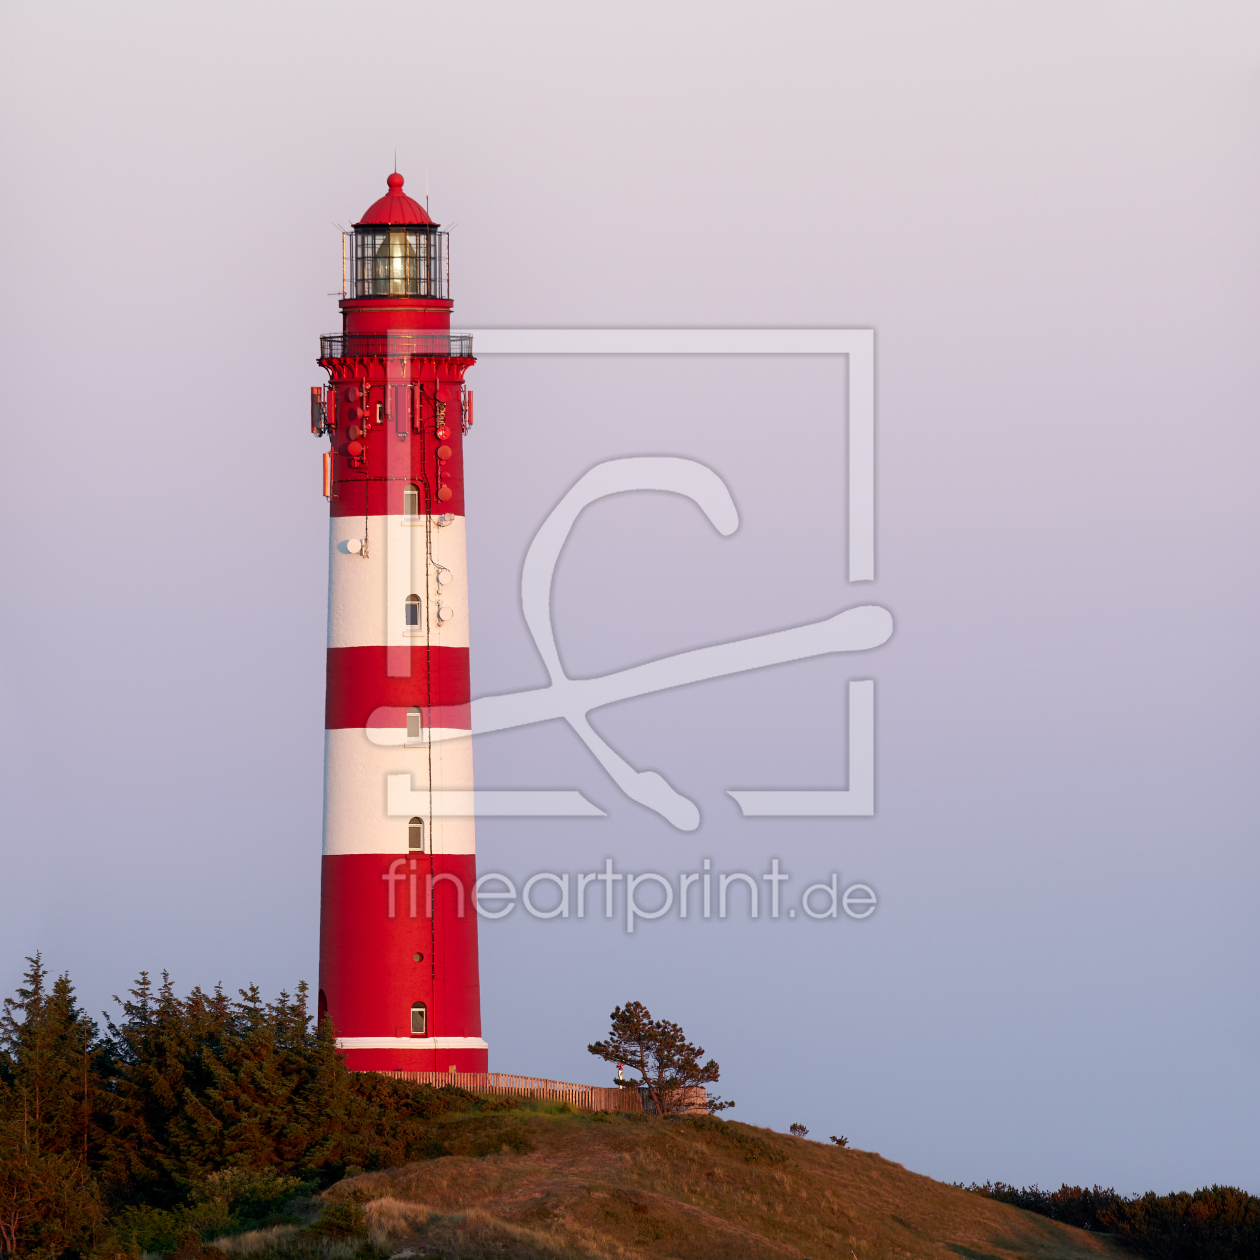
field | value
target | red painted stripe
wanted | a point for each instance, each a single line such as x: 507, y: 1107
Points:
x: 374, y: 482
x: 416, y: 1060
x: 396, y: 314
x: 354, y: 496
x: 360, y: 683
x: 367, y: 968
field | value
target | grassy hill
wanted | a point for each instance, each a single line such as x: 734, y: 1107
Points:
x: 539, y: 1181
x: 208, y: 1119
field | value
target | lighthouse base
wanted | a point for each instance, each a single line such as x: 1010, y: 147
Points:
x: 398, y: 961
x: 418, y: 1054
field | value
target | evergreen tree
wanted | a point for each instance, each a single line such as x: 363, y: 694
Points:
x: 660, y: 1052
x: 50, y: 1088
x: 197, y: 1114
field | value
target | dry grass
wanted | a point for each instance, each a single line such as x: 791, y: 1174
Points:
x: 477, y: 1233
x: 280, y: 1240
x: 619, y: 1189
x: 256, y: 1241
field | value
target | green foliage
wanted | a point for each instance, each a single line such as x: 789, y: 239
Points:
x: 193, y: 1117
x: 190, y: 1247
x: 660, y: 1052
x: 252, y: 1192
x: 543, y: 1107
x: 47, y: 1204
x: 841, y: 1142
x: 50, y: 1089
x: 142, y: 1228
x: 206, y: 1083
x: 225, y: 1202
x: 1070, y: 1204
x: 345, y: 1219
x: 1216, y: 1223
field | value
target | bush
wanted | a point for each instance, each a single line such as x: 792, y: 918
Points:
x: 1216, y: 1223
x: 342, y: 1220
x: 1072, y: 1205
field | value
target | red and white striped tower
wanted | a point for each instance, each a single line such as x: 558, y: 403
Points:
x: 398, y: 927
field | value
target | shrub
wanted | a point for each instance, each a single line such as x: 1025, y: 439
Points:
x: 660, y: 1052
x: 345, y: 1219
x: 1216, y: 1223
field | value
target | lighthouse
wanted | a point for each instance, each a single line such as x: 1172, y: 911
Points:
x: 398, y: 924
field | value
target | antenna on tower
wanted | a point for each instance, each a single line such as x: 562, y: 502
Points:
x: 426, y: 192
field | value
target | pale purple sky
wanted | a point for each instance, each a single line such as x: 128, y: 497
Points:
x: 1050, y: 215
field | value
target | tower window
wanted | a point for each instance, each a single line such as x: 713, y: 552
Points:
x: 411, y: 501
x: 417, y: 1019
x: 413, y: 723
x: 412, y: 610
x: 415, y: 835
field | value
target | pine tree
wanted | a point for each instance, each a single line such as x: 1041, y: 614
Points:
x: 660, y: 1052
x: 188, y: 1113
x: 160, y: 1069
x: 50, y: 1088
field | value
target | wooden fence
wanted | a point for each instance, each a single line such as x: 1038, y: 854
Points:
x: 579, y: 1097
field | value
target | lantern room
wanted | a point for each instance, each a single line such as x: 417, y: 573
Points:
x: 396, y: 250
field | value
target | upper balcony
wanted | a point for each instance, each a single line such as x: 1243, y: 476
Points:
x: 396, y: 345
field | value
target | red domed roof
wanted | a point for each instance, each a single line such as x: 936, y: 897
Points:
x: 395, y: 207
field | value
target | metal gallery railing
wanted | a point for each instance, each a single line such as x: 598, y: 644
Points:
x: 396, y: 345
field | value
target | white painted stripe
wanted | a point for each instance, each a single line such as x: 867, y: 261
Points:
x: 367, y: 595
x: 412, y: 1043
x: 396, y: 736
x: 356, y: 773
x: 405, y: 802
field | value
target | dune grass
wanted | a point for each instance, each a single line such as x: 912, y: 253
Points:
x: 569, y: 1185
